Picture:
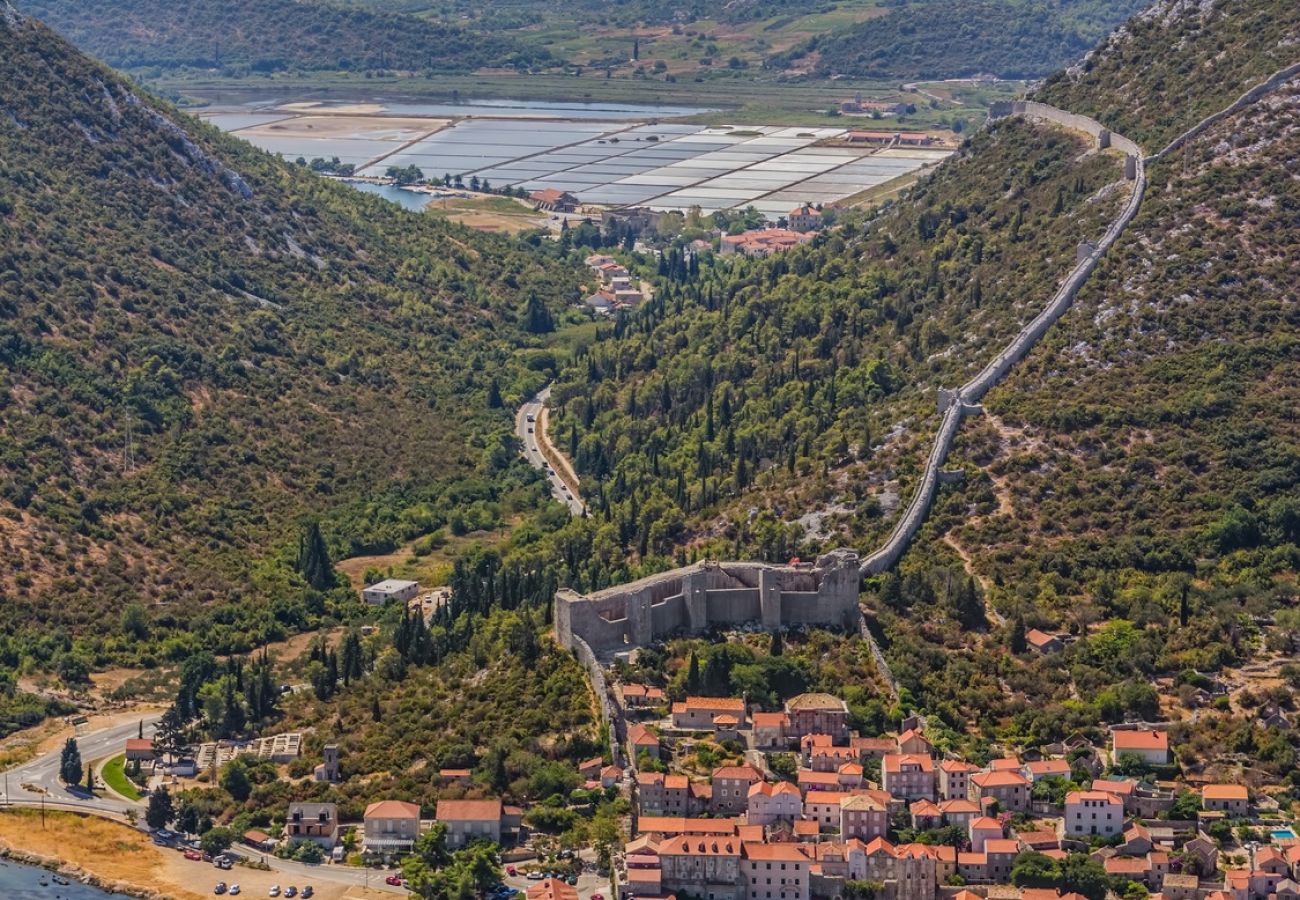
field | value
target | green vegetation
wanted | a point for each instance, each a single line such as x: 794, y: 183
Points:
x: 114, y: 775
x: 70, y: 762
x: 204, y: 349
x: 960, y: 38
x: 774, y: 384
x: 1134, y: 84
x: 272, y: 35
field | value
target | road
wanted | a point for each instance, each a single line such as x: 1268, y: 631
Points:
x: 528, y: 425
x: 40, y: 777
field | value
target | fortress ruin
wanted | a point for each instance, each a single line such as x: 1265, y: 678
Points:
x: 698, y: 597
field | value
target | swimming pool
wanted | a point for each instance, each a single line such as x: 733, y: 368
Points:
x: 1282, y: 834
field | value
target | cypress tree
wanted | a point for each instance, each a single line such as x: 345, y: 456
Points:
x: 314, y: 559
x: 693, y: 675
x: 70, y: 763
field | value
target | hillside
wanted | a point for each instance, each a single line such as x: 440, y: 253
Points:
x: 202, y: 346
x: 1138, y: 470
x: 958, y: 38
x: 242, y: 37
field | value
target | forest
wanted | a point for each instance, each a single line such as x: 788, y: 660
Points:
x: 262, y: 36
x: 936, y: 39
x: 203, y: 348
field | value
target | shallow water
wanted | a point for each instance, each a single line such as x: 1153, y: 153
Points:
x: 19, y: 882
x: 412, y: 200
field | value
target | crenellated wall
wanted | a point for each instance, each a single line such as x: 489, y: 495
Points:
x: 708, y: 594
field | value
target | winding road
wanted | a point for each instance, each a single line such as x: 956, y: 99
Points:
x: 530, y: 424
x: 27, y: 784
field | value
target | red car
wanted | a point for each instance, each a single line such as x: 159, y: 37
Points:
x: 193, y: 854
x: 510, y: 870
x: 395, y: 880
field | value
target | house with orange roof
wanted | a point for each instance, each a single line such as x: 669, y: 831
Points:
x: 1045, y: 768
x: 1039, y: 841
x: 702, y: 866
x: 925, y: 814
x: 590, y: 769
x: 872, y: 747
x: 1042, y: 641
x: 642, y: 740
x: 1008, y: 787
x: 610, y: 776
x: 554, y: 200
x: 912, y: 741
x: 804, y: 218
x: 960, y: 812
x: 659, y: 827
x: 699, y: 713
x: 639, y: 696
x: 664, y: 795
x: 469, y: 820
x: 769, y: 803
x: 552, y: 889
x: 1093, y: 812
x: 731, y: 786
x: 769, y: 730
x: 908, y: 872
x: 954, y: 778
x: 973, y: 866
x: 982, y: 830
x: 829, y: 759
x: 1150, y: 746
x: 850, y: 775
x: 1133, y: 868
x: 775, y: 871
x: 908, y: 775
x: 823, y: 807
x: 391, y: 826
x: 1124, y: 789
x: 818, y: 781
x: 1232, y: 799
x: 1000, y: 854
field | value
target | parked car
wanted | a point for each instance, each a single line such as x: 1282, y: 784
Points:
x: 307, y: 891
x: 597, y: 897
x: 193, y: 855
x: 234, y: 889
x: 572, y: 879
x: 274, y: 891
x: 291, y: 891
x: 219, y: 887
x: 511, y: 871
x: 393, y: 880
x: 535, y: 876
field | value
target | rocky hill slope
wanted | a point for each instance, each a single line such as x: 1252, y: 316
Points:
x: 200, y: 345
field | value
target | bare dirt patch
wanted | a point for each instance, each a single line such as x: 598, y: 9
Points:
x: 358, y: 127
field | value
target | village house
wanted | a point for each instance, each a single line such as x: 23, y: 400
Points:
x: 660, y: 827
x: 390, y: 589
x: 871, y: 748
x: 804, y: 218
x: 1042, y: 642
x: 553, y: 200
x: 610, y: 776
x: 639, y: 696
x: 707, y: 867
x: 909, y: 776
x: 817, y: 781
x: 912, y: 741
x: 775, y: 871
x: 864, y: 817
x: 1009, y: 788
x: 390, y: 826
x: 1232, y: 799
x: 925, y: 814
x: 769, y: 731
x: 762, y: 242
x: 1045, y: 768
x: 954, y: 779
x: 664, y: 795
x: 1093, y: 812
x: 731, y: 786
x: 140, y: 750
x: 983, y: 830
x: 643, y: 740
x: 469, y: 820
x: 455, y: 776
x: 907, y: 871
x: 1124, y: 789
x: 960, y: 811
x: 315, y: 822
x: 700, y: 713
x: 818, y: 714
x: 769, y: 803
x: 1152, y: 747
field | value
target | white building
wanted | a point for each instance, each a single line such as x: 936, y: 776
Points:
x: 390, y: 589
x: 1093, y: 812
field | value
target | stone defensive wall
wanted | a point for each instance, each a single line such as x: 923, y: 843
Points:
x: 956, y: 405
x: 1274, y: 81
x: 698, y: 597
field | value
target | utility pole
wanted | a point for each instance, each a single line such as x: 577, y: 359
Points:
x: 42, y: 811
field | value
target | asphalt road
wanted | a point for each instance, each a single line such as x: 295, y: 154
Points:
x: 40, y: 777
x: 526, y: 422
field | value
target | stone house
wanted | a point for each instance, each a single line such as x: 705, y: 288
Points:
x: 390, y: 826
x: 315, y: 822
x: 468, y: 820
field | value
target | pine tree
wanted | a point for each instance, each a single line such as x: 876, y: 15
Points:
x: 90, y: 779
x: 970, y: 612
x: 159, y: 813
x: 314, y: 559
x: 494, y: 395
x: 353, y: 665
x: 70, y: 763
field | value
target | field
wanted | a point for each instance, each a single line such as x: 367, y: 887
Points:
x: 114, y: 775
x: 500, y: 214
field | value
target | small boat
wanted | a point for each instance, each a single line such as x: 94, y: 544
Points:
x: 60, y: 880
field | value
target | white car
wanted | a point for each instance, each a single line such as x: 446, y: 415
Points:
x: 274, y: 891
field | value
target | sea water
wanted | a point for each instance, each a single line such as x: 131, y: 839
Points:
x: 20, y: 882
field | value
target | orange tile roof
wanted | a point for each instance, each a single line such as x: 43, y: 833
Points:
x: 768, y: 720
x: 1002, y: 845
x: 1224, y: 792
x: 473, y: 810
x: 552, y: 889
x: 1100, y: 796
x: 748, y: 773
x: 775, y: 852
x: 641, y: 736
x: 675, y: 825
x: 998, y: 779
x: 984, y: 823
x: 730, y: 704
x: 393, y: 809
x: 695, y: 845
x: 957, y: 765
x: 893, y: 762
x: 1140, y: 740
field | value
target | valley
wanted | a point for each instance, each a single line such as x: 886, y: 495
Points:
x: 835, y: 457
